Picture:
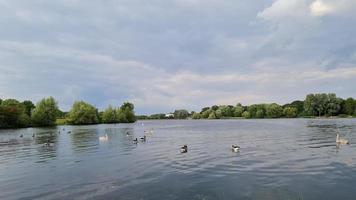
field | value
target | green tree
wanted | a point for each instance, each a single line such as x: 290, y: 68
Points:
x: 238, y: 110
x: 29, y: 106
x: 12, y: 114
x: 127, y: 109
x: 290, y: 112
x: 121, y: 116
x: 246, y: 115
x: 180, y: 114
x: 83, y: 113
x: 45, y: 113
x: 212, y: 115
x: 109, y: 115
x: 204, y: 109
x: 260, y: 113
x: 349, y: 106
x: 206, y: 114
x: 196, y: 115
x: 274, y: 110
x: 333, y: 104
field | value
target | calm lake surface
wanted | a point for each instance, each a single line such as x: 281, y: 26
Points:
x: 279, y: 159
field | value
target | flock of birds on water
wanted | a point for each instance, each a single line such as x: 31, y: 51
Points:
x: 183, y: 149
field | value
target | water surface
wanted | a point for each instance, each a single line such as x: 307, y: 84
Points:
x: 279, y: 159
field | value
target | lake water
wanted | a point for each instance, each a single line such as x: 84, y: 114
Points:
x: 278, y: 159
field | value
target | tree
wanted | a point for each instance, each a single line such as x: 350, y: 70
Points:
x: 333, y: 105
x: 11, y: 114
x: 349, y: 106
x: 310, y: 105
x: 212, y: 115
x: 290, y: 112
x: 246, y: 115
x: 204, y: 109
x: 45, y: 113
x: 29, y: 106
x: 83, y: 113
x: 206, y: 113
x: 274, y: 110
x: 109, y: 115
x: 126, y: 113
x: 238, y: 110
x: 196, y: 115
x: 180, y: 114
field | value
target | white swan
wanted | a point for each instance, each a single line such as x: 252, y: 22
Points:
x: 104, y: 138
x: 341, y: 140
x: 235, y: 148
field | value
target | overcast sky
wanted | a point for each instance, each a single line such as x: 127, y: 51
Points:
x: 169, y: 54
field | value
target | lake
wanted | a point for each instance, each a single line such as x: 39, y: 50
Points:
x: 278, y: 159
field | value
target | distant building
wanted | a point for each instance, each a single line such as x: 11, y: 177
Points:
x: 169, y: 115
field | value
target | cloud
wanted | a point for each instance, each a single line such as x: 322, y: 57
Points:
x: 163, y: 55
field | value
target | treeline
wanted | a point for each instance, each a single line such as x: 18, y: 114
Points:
x: 314, y: 105
x: 16, y: 114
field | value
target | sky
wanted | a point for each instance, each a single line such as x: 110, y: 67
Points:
x: 163, y: 55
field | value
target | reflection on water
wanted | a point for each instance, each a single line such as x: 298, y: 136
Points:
x: 279, y: 159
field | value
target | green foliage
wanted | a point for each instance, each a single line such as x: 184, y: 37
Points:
x: 45, y: 113
x: 274, y: 110
x: 349, y: 106
x: 109, y: 115
x: 61, y: 121
x: 126, y: 113
x: 212, y: 115
x: 29, y: 106
x: 290, y: 112
x: 10, y: 111
x: 238, y: 110
x: 246, y: 115
x: 83, y: 113
x: 180, y: 114
x: 196, y: 116
x: 322, y: 104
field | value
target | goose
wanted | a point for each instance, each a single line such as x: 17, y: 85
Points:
x: 135, y: 141
x: 341, y: 140
x: 235, y: 148
x: 184, y: 149
x: 143, y: 139
x: 104, y: 138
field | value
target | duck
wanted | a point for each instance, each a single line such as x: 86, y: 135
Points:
x: 143, y: 139
x: 21, y: 135
x: 47, y: 144
x: 341, y: 140
x: 69, y: 132
x: 135, y: 141
x: 235, y: 148
x: 104, y: 138
x: 184, y: 149
x: 127, y: 133
x: 33, y: 135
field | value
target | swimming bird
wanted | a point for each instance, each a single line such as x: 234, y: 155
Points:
x: 184, y: 149
x: 135, y: 141
x: 21, y: 135
x: 69, y: 132
x: 104, y: 138
x: 143, y: 139
x: 127, y: 133
x: 341, y: 140
x: 33, y: 135
x: 235, y: 148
